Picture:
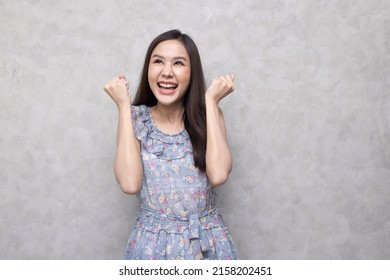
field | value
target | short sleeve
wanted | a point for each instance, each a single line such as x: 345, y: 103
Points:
x: 139, y: 118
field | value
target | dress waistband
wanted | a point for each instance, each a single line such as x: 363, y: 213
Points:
x: 196, y: 223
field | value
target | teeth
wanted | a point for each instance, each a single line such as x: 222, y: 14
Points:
x: 167, y: 85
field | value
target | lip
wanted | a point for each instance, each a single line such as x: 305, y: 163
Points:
x: 166, y: 90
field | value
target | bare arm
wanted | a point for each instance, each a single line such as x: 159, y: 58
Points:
x: 218, y: 155
x: 128, y: 164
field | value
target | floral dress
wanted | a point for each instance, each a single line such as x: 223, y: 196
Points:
x: 178, y: 217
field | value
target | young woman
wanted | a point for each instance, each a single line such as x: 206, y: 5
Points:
x: 172, y: 152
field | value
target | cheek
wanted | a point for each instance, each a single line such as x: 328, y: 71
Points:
x: 151, y: 76
x: 186, y: 76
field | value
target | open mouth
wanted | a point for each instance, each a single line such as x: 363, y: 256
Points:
x: 167, y: 85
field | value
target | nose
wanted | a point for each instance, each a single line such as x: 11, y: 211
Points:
x: 167, y: 71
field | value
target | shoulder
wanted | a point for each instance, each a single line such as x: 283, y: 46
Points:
x: 138, y: 111
x: 141, y: 121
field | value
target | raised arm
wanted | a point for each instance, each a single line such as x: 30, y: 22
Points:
x: 128, y: 164
x: 218, y: 155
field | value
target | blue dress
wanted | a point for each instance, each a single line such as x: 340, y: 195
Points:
x: 178, y: 217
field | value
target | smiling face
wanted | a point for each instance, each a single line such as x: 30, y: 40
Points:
x: 169, y: 72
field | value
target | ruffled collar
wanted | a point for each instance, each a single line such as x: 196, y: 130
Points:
x: 155, y: 132
x: 163, y: 145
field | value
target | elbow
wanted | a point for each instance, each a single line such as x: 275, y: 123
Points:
x: 129, y: 189
x: 218, y: 179
x: 218, y: 175
x: 130, y: 186
x: 129, y: 182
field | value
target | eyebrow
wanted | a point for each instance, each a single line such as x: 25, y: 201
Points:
x: 174, y: 58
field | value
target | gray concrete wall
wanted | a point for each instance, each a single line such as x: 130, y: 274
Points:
x: 308, y: 124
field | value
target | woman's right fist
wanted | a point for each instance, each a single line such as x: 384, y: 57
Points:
x: 118, y: 89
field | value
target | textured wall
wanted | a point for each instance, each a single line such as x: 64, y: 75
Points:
x: 309, y: 123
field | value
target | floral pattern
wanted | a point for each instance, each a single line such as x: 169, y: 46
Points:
x: 178, y: 217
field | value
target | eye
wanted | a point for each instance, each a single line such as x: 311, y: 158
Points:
x: 179, y: 63
x: 157, y: 61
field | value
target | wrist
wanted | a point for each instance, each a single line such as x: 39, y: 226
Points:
x: 123, y: 106
x: 210, y: 100
x: 125, y: 102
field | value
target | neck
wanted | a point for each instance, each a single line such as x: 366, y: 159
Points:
x: 172, y: 114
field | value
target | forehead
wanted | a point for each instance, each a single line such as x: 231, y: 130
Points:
x: 171, y: 49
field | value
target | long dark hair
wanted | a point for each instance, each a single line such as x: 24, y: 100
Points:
x: 194, y: 100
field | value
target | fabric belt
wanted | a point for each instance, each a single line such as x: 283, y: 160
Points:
x: 178, y: 224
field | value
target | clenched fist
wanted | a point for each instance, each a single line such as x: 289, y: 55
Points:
x: 118, y: 89
x: 220, y: 87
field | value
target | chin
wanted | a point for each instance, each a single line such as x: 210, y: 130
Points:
x: 167, y: 100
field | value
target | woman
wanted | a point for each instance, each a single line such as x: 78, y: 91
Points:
x: 172, y: 152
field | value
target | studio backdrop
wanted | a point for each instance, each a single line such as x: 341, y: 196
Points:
x: 308, y: 123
